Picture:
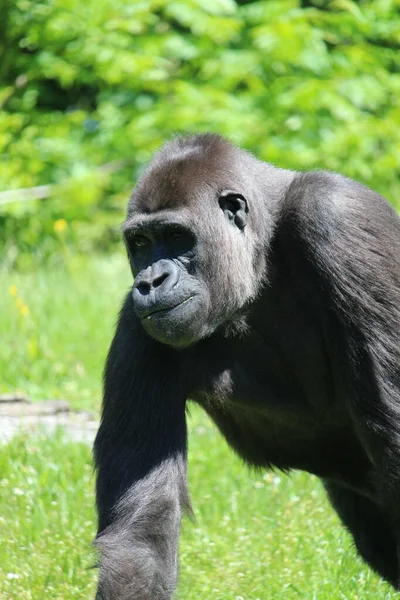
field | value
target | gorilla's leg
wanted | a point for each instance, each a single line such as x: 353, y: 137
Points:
x: 373, y: 535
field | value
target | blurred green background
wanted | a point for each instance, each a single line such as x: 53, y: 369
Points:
x: 90, y: 89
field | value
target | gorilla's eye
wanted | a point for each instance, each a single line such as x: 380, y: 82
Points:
x: 179, y: 240
x: 176, y: 235
x: 139, y: 241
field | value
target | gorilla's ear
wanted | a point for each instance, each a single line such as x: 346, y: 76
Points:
x: 235, y: 207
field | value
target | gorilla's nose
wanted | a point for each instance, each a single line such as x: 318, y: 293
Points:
x: 161, y: 277
x: 153, y: 287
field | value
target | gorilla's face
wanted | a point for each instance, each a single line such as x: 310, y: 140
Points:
x: 171, y: 302
x: 190, y: 245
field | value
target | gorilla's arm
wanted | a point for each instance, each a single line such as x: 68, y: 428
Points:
x: 140, y: 454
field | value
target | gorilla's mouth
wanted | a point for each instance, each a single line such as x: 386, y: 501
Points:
x: 167, y: 309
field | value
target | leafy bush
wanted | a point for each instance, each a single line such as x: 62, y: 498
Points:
x: 90, y: 89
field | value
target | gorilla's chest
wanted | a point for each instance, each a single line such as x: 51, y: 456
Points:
x: 283, y: 411
x: 282, y: 372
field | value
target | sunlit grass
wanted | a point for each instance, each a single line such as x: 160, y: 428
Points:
x: 56, y: 325
x: 47, y: 520
x: 255, y: 535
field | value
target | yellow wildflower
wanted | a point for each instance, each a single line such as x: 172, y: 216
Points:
x: 13, y: 290
x: 24, y: 310
x: 60, y: 225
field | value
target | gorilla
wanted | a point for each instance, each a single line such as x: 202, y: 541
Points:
x: 272, y: 299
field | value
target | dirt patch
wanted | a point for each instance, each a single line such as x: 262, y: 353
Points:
x: 19, y: 414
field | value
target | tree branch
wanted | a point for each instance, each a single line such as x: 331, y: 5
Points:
x: 45, y: 191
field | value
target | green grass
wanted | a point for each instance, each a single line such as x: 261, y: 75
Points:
x: 57, y: 350
x: 255, y: 535
x: 47, y: 520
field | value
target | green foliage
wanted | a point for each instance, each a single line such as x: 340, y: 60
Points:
x: 304, y: 84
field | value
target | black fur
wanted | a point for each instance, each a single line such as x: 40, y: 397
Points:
x: 272, y: 299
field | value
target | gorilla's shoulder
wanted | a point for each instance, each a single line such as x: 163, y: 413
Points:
x: 324, y: 203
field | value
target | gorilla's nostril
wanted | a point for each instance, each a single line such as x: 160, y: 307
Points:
x: 159, y: 280
x: 143, y: 288
x: 147, y: 284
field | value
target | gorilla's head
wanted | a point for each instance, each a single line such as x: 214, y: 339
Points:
x: 196, y: 233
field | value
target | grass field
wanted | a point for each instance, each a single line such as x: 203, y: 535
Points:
x: 56, y: 324
x: 255, y: 535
